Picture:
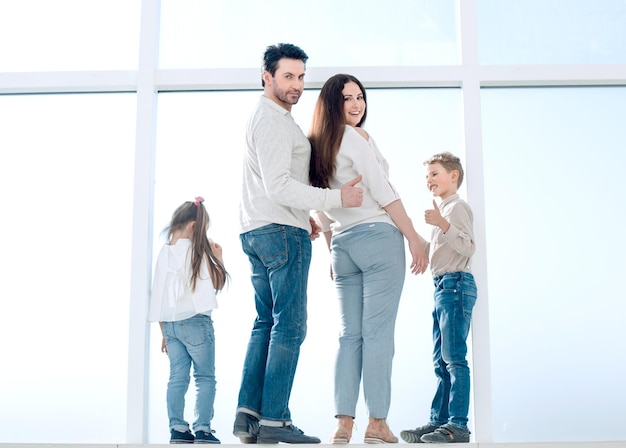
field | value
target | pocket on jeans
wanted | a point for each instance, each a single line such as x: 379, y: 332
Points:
x: 469, y: 300
x: 449, y: 283
x: 194, y: 333
x: 270, y: 245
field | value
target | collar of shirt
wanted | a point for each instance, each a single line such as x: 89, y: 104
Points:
x: 449, y: 199
x: 270, y: 103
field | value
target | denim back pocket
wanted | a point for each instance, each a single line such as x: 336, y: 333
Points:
x: 194, y: 333
x: 270, y: 245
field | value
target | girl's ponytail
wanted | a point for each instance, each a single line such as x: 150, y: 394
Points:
x: 201, y: 250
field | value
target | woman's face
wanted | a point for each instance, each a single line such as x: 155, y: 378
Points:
x: 353, y: 103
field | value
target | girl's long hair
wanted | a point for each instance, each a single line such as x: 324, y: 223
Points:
x: 328, y: 127
x: 200, y: 246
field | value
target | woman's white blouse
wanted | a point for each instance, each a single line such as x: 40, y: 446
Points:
x: 358, y: 156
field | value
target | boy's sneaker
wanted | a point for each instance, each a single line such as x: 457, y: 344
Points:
x: 246, y: 427
x: 447, y: 434
x: 181, y: 437
x: 206, y: 437
x: 285, y: 434
x: 414, y: 435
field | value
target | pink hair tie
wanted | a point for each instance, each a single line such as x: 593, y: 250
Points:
x: 198, y: 200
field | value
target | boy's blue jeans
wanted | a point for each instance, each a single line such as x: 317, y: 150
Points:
x: 455, y: 296
x: 191, y: 341
x: 279, y: 259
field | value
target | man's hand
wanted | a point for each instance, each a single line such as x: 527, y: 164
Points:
x: 352, y: 196
x: 315, y: 229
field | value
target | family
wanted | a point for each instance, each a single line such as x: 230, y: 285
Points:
x: 333, y: 181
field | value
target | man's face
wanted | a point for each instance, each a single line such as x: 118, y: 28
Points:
x: 287, y: 84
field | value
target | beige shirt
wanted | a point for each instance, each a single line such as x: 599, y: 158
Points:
x: 452, y: 251
x: 275, y: 187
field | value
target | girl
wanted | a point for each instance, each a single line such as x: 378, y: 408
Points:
x: 188, y: 274
x: 367, y: 254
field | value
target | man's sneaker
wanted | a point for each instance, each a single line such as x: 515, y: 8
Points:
x: 206, y: 437
x: 447, y: 434
x: 285, y: 434
x: 414, y: 435
x: 181, y: 437
x: 246, y: 427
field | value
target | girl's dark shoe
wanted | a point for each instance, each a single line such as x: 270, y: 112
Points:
x: 206, y: 437
x: 181, y: 437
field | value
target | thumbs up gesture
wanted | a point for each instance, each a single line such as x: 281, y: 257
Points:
x: 352, y: 196
x: 433, y: 216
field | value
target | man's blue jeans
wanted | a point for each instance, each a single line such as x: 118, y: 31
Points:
x: 191, y: 341
x: 279, y: 258
x: 455, y: 296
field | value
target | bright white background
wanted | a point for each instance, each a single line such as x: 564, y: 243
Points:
x: 550, y: 160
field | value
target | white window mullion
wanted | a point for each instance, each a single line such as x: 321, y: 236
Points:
x: 481, y: 355
x: 141, y: 263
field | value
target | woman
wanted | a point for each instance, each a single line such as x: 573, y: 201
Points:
x: 367, y: 254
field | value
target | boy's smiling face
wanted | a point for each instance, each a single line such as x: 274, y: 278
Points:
x: 441, y: 182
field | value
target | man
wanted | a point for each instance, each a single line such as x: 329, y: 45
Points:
x: 276, y: 233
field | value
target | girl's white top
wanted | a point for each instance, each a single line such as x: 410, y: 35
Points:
x: 172, y: 299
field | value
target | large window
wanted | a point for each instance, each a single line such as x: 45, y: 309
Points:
x: 66, y: 177
x: 40, y: 35
x: 233, y: 33
x: 530, y: 94
x: 552, y: 189
x: 552, y: 32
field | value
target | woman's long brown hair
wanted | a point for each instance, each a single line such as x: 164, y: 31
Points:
x: 328, y: 127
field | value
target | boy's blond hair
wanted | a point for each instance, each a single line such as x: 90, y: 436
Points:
x: 449, y: 161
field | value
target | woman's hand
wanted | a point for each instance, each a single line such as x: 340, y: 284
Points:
x: 419, y: 262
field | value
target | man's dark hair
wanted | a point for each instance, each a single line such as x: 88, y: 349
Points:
x: 275, y: 53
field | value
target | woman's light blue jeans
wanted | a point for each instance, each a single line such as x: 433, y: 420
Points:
x: 455, y: 296
x: 369, y: 268
x: 279, y: 259
x: 191, y: 341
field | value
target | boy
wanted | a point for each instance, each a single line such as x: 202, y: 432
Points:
x: 451, y: 248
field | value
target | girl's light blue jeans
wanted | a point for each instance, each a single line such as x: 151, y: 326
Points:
x: 455, y: 296
x: 191, y: 342
x: 368, y: 264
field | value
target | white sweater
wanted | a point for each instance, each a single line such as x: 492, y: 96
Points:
x: 275, y: 187
x: 359, y: 156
